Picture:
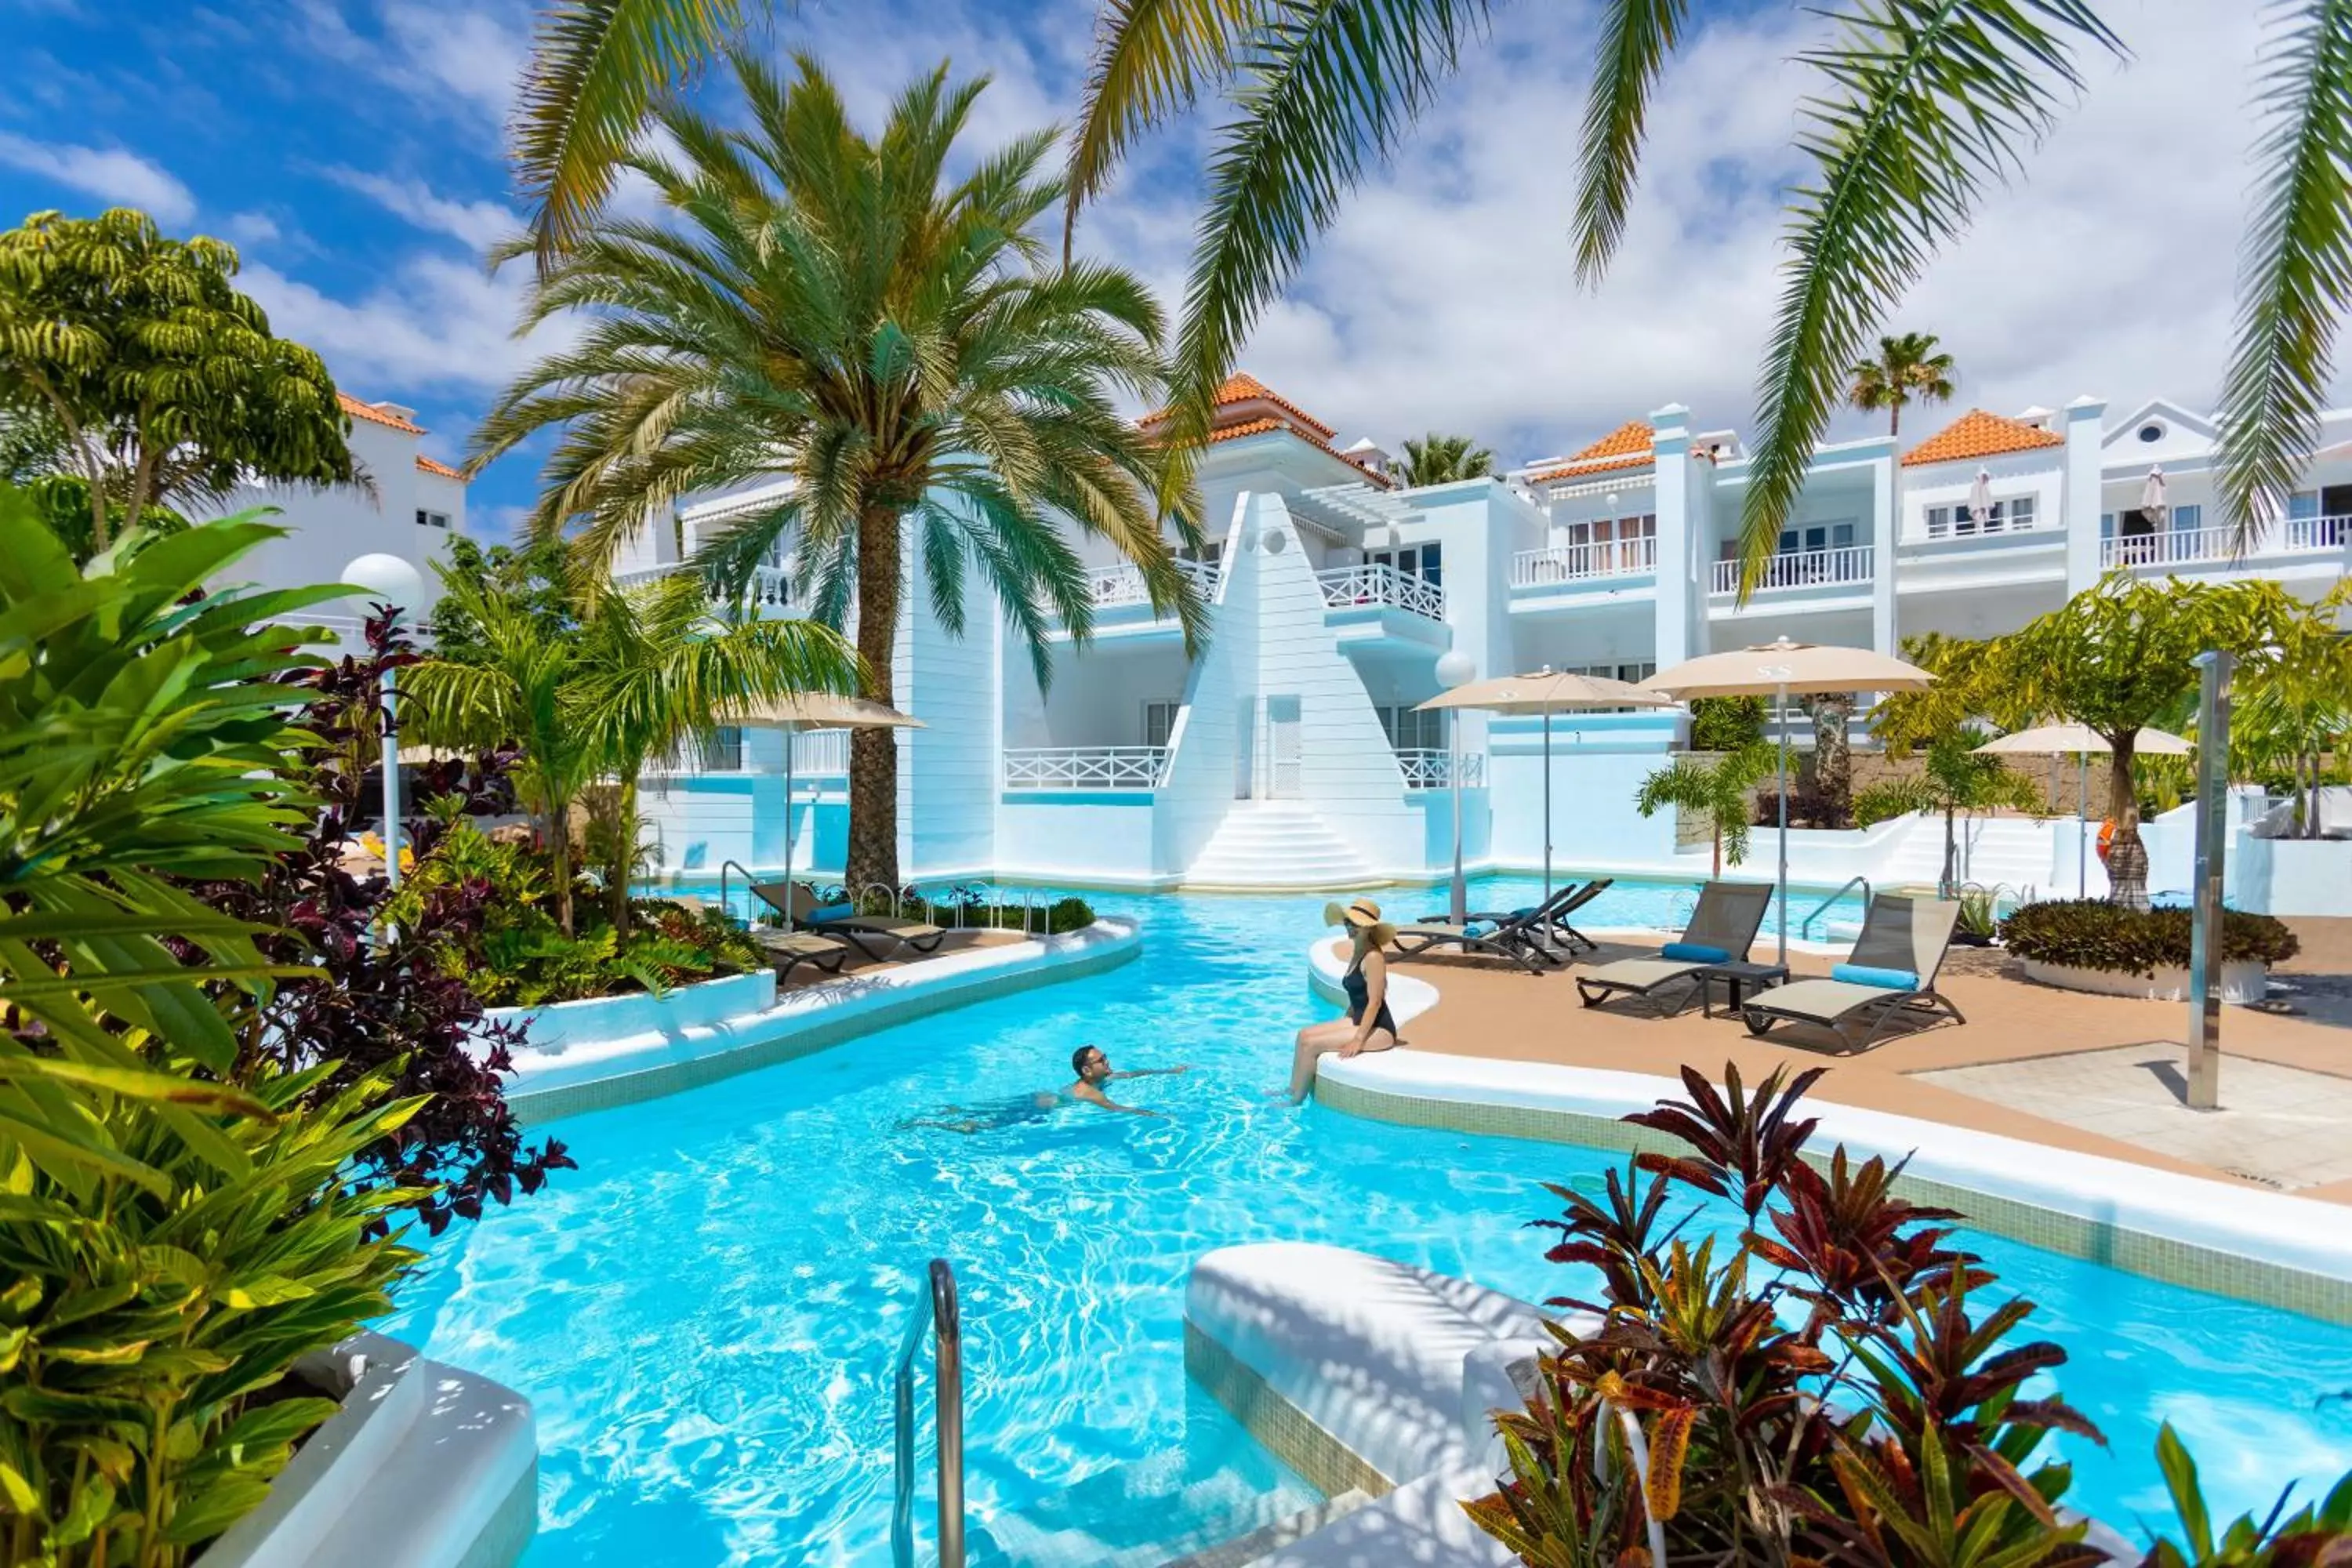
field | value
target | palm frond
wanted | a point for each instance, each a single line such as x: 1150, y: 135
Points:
x: 1636, y: 36
x: 596, y: 67
x: 1931, y: 99
x: 2295, y: 270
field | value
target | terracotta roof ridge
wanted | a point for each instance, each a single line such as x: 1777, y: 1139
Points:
x: 359, y: 408
x: 1979, y: 433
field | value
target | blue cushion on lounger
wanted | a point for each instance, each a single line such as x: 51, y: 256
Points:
x: 1886, y: 979
x: 831, y: 912
x: 1694, y: 952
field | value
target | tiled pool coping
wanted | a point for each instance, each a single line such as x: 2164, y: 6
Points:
x: 585, y: 1075
x: 2269, y: 1249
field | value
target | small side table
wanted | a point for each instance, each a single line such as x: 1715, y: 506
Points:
x: 1754, y: 977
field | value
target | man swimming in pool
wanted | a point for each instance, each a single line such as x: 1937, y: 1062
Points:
x: 1094, y: 1070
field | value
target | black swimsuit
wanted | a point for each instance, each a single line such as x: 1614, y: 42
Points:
x: 1357, y: 989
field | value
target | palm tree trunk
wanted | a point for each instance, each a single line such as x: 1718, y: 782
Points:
x: 620, y: 853
x: 1833, y: 753
x: 1894, y: 420
x: 874, y: 754
x: 1718, y: 829
x: 2127, y: 855
x: 559, y: 850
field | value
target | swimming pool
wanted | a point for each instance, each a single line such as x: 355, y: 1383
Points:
x: 706, y: 1313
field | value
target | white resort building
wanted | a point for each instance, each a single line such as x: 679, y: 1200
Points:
x: 1289, y: 753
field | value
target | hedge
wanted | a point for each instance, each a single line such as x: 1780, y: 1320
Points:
x: 2092, y: 933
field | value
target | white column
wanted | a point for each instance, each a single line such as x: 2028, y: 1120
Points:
x: 2082, y: 489
x: 1886, y: 531
x: 1680, y: 539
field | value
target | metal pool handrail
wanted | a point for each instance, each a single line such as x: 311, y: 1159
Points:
x: 935, y: 1310
x: 726, y: 903
x: 1805, y: 926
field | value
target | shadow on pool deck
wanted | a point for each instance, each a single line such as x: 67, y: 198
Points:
x: 1487, y: 1010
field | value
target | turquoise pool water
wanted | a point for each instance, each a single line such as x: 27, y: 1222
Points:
x: 706, y: 1313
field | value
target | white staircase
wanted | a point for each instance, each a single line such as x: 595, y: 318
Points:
x: 2011, y: 849
x: 1150, y: 1512
x: 1277, y: 845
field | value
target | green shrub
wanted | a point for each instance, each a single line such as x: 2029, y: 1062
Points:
x: 1069, y: 914
x: 2095, y: 934
x: 1726, y: 723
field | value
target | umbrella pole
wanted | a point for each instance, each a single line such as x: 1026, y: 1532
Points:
x: 1546, y: 751
x: 789, y: 738
x: 1781, y: 714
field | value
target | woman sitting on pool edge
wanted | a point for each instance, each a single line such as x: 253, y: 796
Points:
x: 1369, y: 1026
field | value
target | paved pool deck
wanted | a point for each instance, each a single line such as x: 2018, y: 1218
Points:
x: 2023, y: 1053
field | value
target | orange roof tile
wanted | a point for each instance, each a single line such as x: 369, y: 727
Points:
x: 1243, y: 387
x: 427, y: 464
x: 1977, y: 434
x: 1247, y: 427
x: 1629, y: 446
x: 369, y: 411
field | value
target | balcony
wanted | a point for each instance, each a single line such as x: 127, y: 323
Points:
x: 2210, y: 546
x: 1116, y: 586
x: 1092, y: 768
x: 771, y: 587
x: 1432, y: 768
x: 1806, y: 569
x: 1380, y: 586
x: 1563, y: 564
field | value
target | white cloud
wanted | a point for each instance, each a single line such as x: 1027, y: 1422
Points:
x: 432, y: 322
x: 112, y: 175
x: 251, y: 229
x: 479, y: 223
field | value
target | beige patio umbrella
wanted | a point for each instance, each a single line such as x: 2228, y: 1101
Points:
x: 1542, y: 692
x: 812, y: 710
x: 1782, y: 670
x: 2079, y: 741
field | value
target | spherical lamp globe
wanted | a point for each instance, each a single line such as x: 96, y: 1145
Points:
x: 387, y: 580
x: 1454, y: 668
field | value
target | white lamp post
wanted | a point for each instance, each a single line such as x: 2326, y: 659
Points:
x: 1454, y: 668
x: 392, y: 582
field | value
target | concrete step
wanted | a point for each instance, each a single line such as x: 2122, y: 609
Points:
x: 1143, y: 1514
x: 1268, y: 1539
x: 1277, y: 844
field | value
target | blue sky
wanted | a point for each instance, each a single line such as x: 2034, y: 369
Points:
x: 352, y: 150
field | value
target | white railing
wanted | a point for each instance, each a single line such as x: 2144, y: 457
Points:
x: 1123, y: 583
x: 1809, y: 569
x: 1432, y: 768
x: 817, y: 754
x: 1084, y: 767
x: 1346, y: 587
x: 1596, y: 558
x: 771, y: 587
x: 2317, y: 532
x: 2168, y: 548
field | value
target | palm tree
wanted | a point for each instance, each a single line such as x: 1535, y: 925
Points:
x: 835, y: 309
x: 1919, y: 106
x: 1439, y: 460
x: 1718, y: 788
x: 1957, y: 781
x: 1908, y: 369
x: 588, y: 701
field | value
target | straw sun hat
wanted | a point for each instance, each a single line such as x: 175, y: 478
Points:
x: 1358, y: 915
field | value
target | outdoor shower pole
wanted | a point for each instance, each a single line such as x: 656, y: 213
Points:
x: 2082, y: 821
x: 1547, y: 749
x: 1781, y: 715
x: 790, y: 735
x: 2212, y: 848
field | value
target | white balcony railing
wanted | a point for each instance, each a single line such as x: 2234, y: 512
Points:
x: 771, y: 587
x: 2193, y: 546
x: 1808, y: 569
x: 1432, y: 768
x: 1084, y: 767
x: 1114, y: 586
x: 1348, y: 587
x: 1570, y: 563
x: 2317, y: 532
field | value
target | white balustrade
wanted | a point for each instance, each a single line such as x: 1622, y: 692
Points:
x: 2305, y: 534
x: 1120, y: 585
x: 1806, y: 569
x: 1594, y: 558
x: 1084, y: 767
x: 1432, y: 768
x: 1348, y: 587
x: 2183, y: 548
x: 770, y: 588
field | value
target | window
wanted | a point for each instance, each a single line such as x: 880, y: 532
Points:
x: 2151, y: 431
x: 431, y: 518
x: 1159, y: 722
x: 1425, y: 562
x: 2187, y: 519
x: 2303, y: 504
x: 2106, y: 525
x: 1957, y: 521
x: 722, y: 750
x: 1411, y: 730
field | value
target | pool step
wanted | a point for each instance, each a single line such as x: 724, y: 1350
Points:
x: 1145, y: 1514
x: 1268, y: 1539
x: 1267, y: 845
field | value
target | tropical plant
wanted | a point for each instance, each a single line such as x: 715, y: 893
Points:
x: 180, y: 1217
x: 1817, y: 1384
x: 838, y: 309
x: 2090, y: 934
x: 1439, y: 460
x: 1831, y: 712
x: 588, y: 701
x: 1908, y: 369
x: 2292, y: 712
x: 1725, y: 723
x: 1717, y: 788
x: 2316, y: 1535
x: 1958, y: 781
x: 162, y: 381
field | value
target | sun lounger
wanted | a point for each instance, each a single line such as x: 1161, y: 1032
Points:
x: 1518, y: 936
x: 876, y: 936
x: 788, y: 950
x: 1889, y: 977
x: 1721, y: 930
x: 1552, y: 915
